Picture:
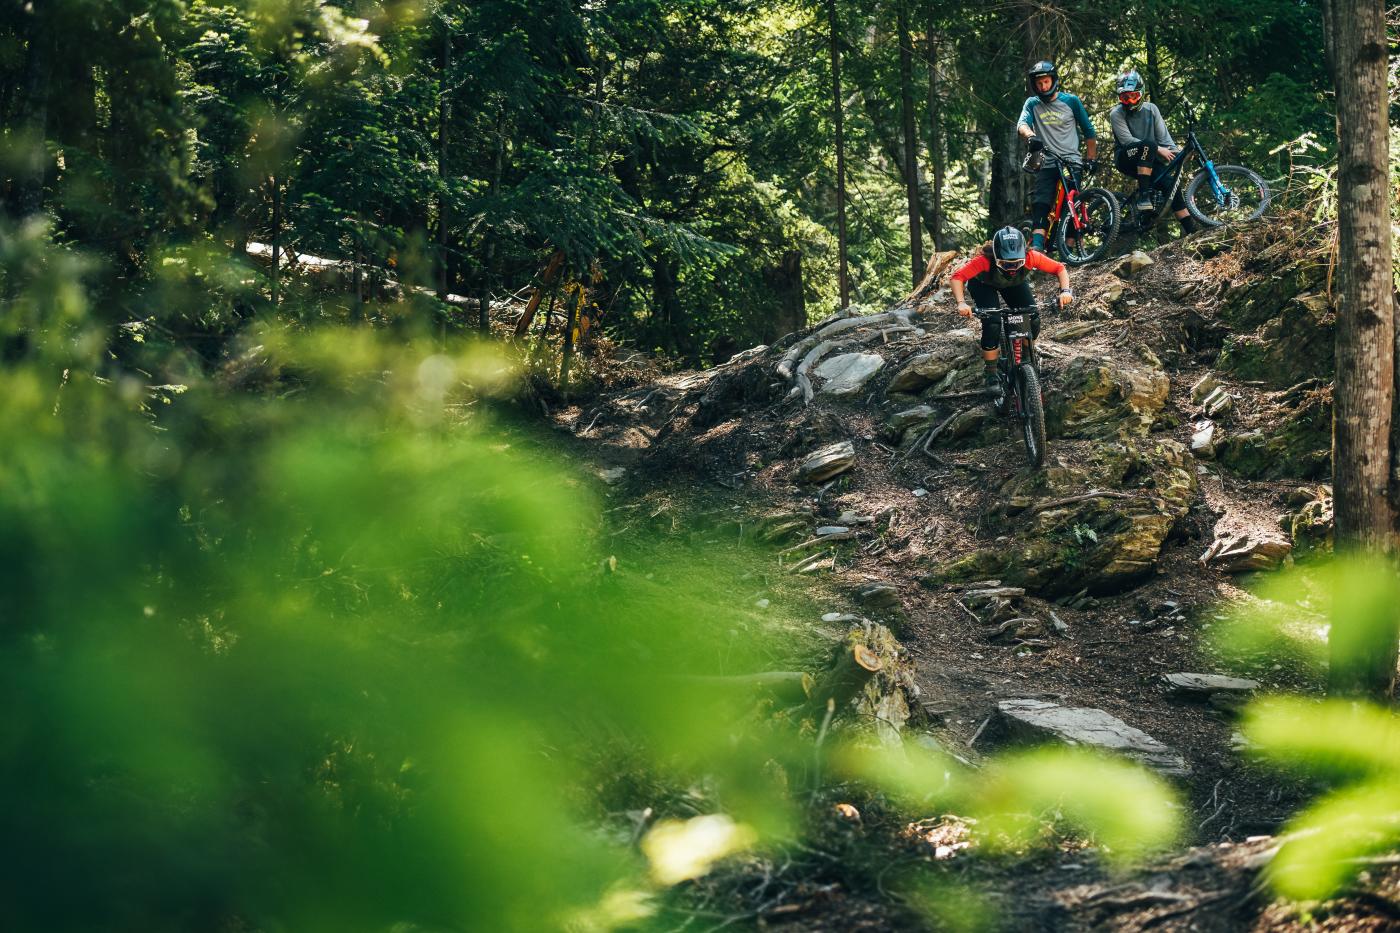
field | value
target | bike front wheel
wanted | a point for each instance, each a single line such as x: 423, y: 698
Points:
x: 1243, y: 195
x: 1086, y: 234
x: 1032, y: 414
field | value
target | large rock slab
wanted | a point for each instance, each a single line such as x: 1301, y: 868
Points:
x: 1038, y: 720
x: 827, y: 462
x: 1096, y: 399
x: 1246, y: 553
x: 1206, y: 685
x: 848, y: 373
x: 1099, y: 530
x: 957, y: 349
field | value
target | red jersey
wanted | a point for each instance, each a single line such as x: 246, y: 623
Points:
x: 980, y: 265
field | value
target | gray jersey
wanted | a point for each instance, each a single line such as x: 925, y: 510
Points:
x: 1058, y: 123
x: 1145, y: 125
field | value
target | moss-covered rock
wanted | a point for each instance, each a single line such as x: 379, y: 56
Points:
x: 1099, y: 529
x: 1310, y: 528
x: 1300, y: 446
x: 927, y: 370
x: 1248, y: 306
x: 1294, y: 346
x: 1093, y: 399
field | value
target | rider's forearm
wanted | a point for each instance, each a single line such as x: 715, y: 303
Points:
x: 1091, y: 149
x: 1063, y: 276
x: 1025, y: 131
x: 958, y: 291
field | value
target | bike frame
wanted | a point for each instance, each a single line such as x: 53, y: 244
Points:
x: 1066, y: 196
x: 1177, y: 171
x: 1017, y: 347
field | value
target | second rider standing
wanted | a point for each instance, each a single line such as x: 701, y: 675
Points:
x: 1052, y: 120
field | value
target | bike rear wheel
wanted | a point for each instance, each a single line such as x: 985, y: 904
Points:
x: 1032, y: 414
x: 1247, y: 196
x: 1092, y: 237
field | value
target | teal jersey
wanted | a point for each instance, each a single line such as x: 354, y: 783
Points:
x: 1059, y: 124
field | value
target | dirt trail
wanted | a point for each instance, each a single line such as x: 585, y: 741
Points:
x: 1106, y: 539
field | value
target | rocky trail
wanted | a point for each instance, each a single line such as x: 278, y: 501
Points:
x: 1188, y: 406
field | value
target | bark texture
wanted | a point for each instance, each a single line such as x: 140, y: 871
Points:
x: 1362, y: 663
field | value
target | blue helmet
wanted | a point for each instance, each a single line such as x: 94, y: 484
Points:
x: 1130, y: 88
x: 1045, y: 67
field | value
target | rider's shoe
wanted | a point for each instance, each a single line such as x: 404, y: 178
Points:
x: 1143, y: 203
x: 991, y: 384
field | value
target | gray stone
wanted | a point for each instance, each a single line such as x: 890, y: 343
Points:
x: 1203, y: 440
x: 877, y: 596
x: 1246, y: 553
x: 1133, y: 264
x: 613, y: 475
x: 1218, y: 404
x: 1204, y: 685
x: 848, y: 373
x: 956, y: 349
x: 1040, y: 720
x: 904, y: 420
x: 851, y: 517
x: 828, y: 462
x: 1076, y: 330
x: 839, y: 617
x: 825, y: 530
x: 1204, y: 386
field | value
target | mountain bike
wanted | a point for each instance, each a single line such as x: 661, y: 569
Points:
x: 1018, y: 370
x: 1082, y: 224
x: 1216, y: 195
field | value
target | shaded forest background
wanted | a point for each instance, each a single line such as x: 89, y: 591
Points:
x: 677, y: 155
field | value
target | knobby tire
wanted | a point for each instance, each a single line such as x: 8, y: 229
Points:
x: 1235, y: 177
x: 1033, y: 414
x: 1103, y: 208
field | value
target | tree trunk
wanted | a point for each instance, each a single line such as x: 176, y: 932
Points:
x: 1154, y: 67
x: 1363, y: 663
x: 444, y: 115
x: 33, y: 114
x: 785, y: 280
x: 911, y: 158
x: 935, y: 136
x: 840, y: 155
x: 276, y: 240
x: 567, y: 357
x: 1004, y: 192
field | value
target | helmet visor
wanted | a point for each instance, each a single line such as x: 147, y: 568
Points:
x: 1131, y: 98
x: 1011, y: 265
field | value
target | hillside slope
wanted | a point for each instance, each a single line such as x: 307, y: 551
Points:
x: 1188, y: 399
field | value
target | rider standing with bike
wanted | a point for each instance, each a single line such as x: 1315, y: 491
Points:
x: 1052, y: 120
x: 1142, y: 146
x: 1002, y: 271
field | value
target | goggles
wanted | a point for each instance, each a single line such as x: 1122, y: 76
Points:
x: 1131, y: 97
x: 1010, y: 265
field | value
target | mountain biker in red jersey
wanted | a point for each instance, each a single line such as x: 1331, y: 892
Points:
x: 1143, y: 147
x: 1002, y: 271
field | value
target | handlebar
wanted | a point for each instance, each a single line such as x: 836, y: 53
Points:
x: 983, y: 313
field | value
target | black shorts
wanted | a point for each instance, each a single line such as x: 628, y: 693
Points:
x: 1046, y: 180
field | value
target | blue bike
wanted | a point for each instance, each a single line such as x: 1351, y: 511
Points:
x: 1216, y: 195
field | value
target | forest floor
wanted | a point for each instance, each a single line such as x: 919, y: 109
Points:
x: 1111, y: 640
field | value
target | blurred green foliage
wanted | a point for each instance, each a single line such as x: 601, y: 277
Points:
x: 1349, y: 750
x: 315, y: 640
